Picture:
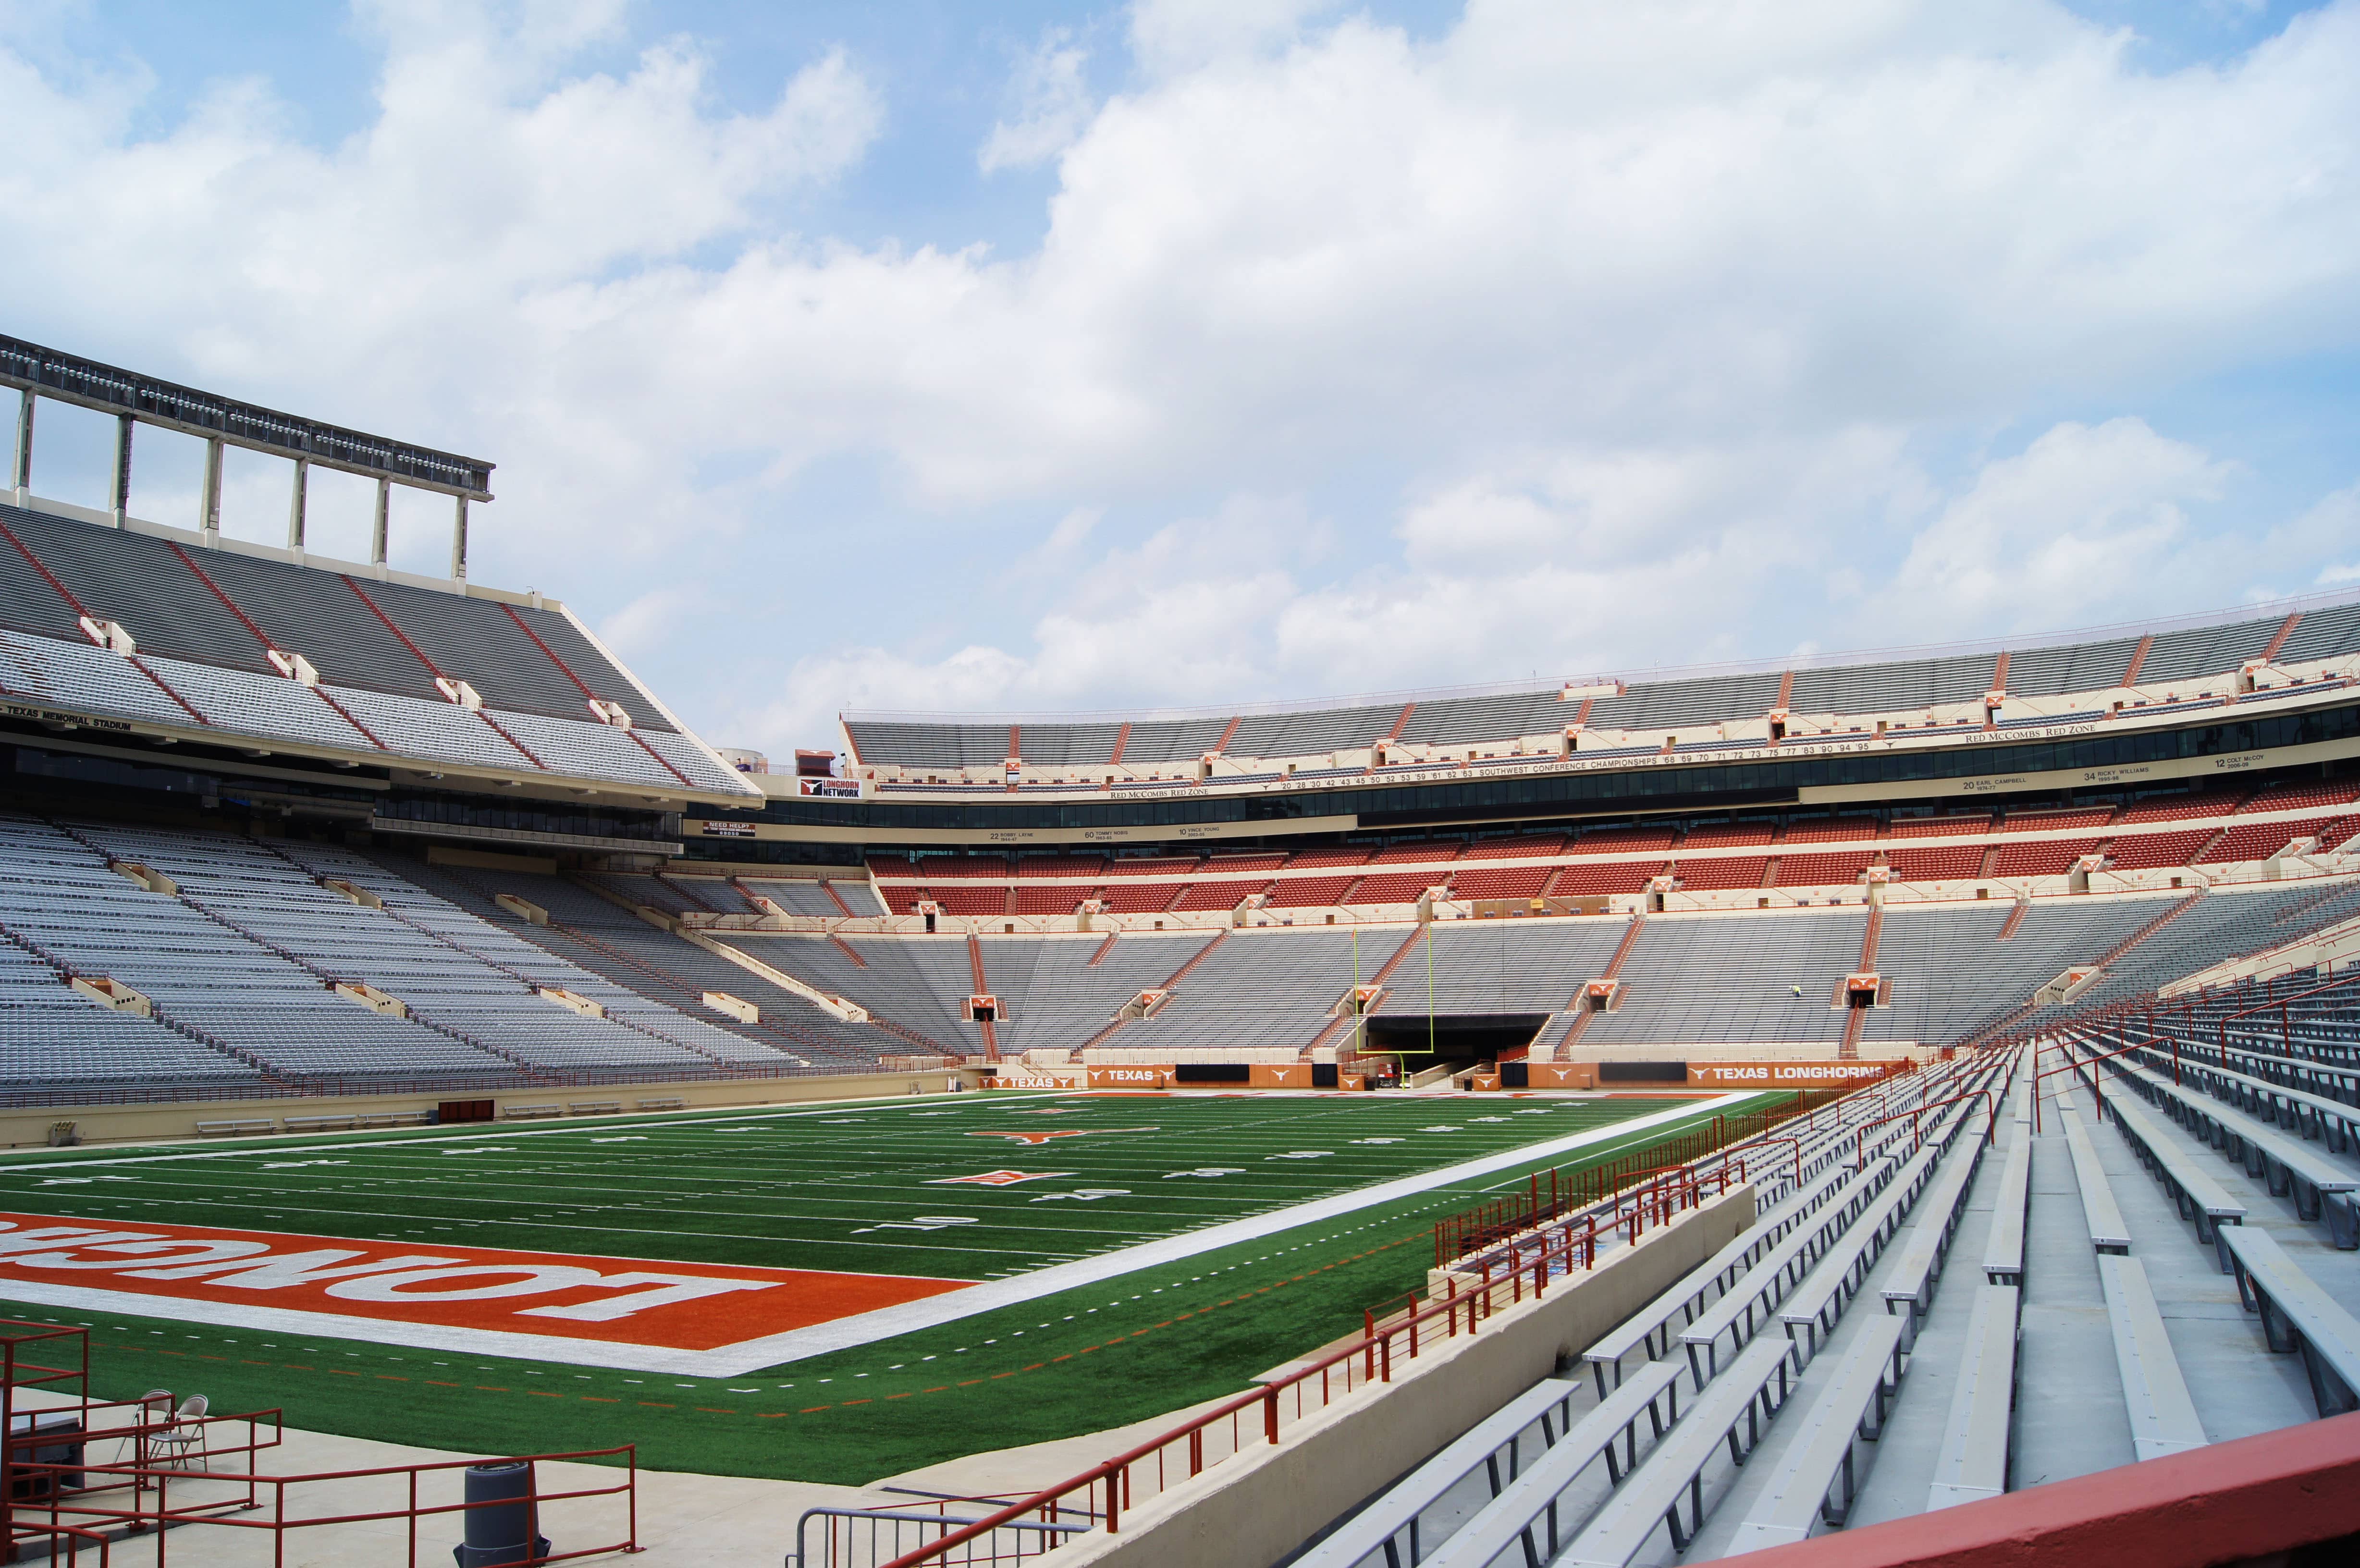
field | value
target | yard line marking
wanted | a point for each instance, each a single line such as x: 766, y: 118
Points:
x: 844, y: 1333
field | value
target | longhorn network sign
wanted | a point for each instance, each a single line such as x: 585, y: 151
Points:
x: 676, y: 1306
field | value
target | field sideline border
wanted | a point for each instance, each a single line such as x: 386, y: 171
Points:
x: 844, y: 1333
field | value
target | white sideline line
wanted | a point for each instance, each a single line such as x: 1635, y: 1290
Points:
x: 843, y: 1334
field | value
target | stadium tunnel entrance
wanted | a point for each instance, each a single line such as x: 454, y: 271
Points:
x: 1462, y: 1039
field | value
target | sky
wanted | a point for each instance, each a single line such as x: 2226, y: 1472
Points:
x: 1038, y: 357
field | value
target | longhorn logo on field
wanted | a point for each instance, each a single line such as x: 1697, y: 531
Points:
x: 1045, y: 1134
x: 996, y: 1178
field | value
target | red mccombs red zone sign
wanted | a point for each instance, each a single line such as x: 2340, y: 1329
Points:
x: 682, y: 1306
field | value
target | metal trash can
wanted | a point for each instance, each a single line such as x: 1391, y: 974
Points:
x: 501, y: 1529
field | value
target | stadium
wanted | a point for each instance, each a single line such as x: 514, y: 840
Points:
x: 1870, y: 1112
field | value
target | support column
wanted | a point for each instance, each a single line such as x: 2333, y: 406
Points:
x: 296, y: 504
x: 377, y: 531
x: 209, y: 497
x: 118, y: 494
x: 459, y: 542
x: 21, y: 479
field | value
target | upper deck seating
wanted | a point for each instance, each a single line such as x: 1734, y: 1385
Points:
x: 1399, y: 888
x: 2293, y: 796
x: 1500, y: 882
x: 1943, y: 824
x: 2042, y: 857
x: 2258, y: 841
x: 1830, y: 830
x: 1732, y: 871
x: 2054, y: 670
x: 1842, y: 868
x: 1302, y: 892
x: 1956, y: 863
x: 2179, y: 656
x: 2182, y: 807
x: 2133, y: 852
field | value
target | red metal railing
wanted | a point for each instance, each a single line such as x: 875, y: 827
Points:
x: 77, y: 1490
x: 1917, y: 1126
x: 1103, y: 1492
x: 1582, y: 1187
x: 1534, y: 1256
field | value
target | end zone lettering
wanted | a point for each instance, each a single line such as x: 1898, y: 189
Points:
x: 682, y: 1306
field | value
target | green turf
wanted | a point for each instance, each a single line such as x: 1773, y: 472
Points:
x: 1084, y: 1360
x: 850, y: 1189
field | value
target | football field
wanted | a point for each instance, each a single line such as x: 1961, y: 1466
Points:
x: 829, y: 1293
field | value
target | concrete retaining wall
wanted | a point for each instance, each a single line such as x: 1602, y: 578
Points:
x: 23, y: 1125
x: 1254, y: 1509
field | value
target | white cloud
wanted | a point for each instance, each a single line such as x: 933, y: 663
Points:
x: 1051, y: 96
x: 1600, y: 333
x: 2080, y: 525
x: 1172, y: 36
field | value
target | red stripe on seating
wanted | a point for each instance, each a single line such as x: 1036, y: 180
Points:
x: 34, y: 562
x: 545, y: 648
x: 396, y: 631
x: 66, y: 595
x: 583, y: 687
x: 499, y: 730
x: 421, y: 658
x: 227, y: 604
x: 263, y: 637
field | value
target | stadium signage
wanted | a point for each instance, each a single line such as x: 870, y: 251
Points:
x: 54, y: 716
x: 728, y: 830
x: 829, y: 788
x: 1786, y: 1074
x: 680, y: 1306
x: 1130, y: 1077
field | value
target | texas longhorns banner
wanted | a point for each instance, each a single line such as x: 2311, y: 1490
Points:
x: 682, y: 1306
x: 1787, y: 1074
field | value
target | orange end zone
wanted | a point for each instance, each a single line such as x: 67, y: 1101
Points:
x: 681, y: 1306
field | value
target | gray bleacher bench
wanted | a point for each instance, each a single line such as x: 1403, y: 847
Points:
x: 673, y: 1103
x: 2297, y: 1315
x: 2330, y: 1121
x: 595, y: 1108
x: 1973, y: 1464
x: 1609, y: 1431
x: 320, y: 1124
x: 394, y: 1119
x: 1820, y: 1300
x: 1910, y: 1280
x: 2197, y: 1196
x: 2321, y: 1189
x: 2163, y: 1417
x: 1652, y: 1323
x: 2099, y: 1211
x: 235, y: 1129
x: 1391, y: 1523
x: 1734, y: 1410
x: 1781, y: 1269
x: 2004, y: 1250
x: 1818, y: 1478
x: 527, y: 1113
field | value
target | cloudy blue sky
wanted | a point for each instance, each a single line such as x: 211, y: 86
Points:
x: 1030, y: 356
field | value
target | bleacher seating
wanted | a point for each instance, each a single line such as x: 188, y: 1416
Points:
x: 206, y: 622
x: 1727, y: 871
x: 2042, y: 857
